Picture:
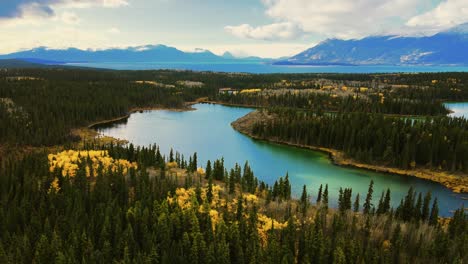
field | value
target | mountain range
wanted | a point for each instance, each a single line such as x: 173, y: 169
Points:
x: 445, y: 48
x: 148, y: 53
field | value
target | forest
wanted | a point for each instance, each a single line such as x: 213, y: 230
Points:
x: 68, y: 200
x: 51, y: 215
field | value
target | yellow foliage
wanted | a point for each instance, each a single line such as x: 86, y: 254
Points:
x: 250, y: 197
x: 386, y: 245
x: 69, y: 161
x: 265, y: 224
x: 171, y: 165
x: 54, y: 186
x: 184, y: 197
x: 254, y: 90
x: 201, y: 171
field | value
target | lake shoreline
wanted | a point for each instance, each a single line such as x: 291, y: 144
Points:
x: 187, y: 107
x: 456, y: 183
x: 305, y: 109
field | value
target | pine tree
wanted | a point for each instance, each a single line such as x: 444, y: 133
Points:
x: 319, y: 196
x: 304, y: 201
x: 386, y: 203
x: 325, y: 197
x: 425, y: 212
x: 208, y: 169
x: 380, y: 209
x: 209, y: 192
x: 194, y: 162
x: 434, y: 218
x: 368, y: 203
x: 287, y: 187
x: 418, y: 208
x: 171, y: 156
x: 232, y: 182
x: 356, y: 204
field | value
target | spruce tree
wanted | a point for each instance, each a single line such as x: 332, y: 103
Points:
x: 425, y: 212
x: 368, y: 203
x: 171, y: 156
x: 319, y: 196
x: 304, y: 200
x: 209, y: 192
x: 208, y: 169
x: 434, y: 218
x: 325, y: 197
x: 356, y: 204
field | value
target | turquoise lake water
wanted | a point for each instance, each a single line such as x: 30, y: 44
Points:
x: 255, y: 67
x: 208, y: 132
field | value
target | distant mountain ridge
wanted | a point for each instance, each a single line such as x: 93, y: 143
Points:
x: 445, y: 48
x: 147, y: 53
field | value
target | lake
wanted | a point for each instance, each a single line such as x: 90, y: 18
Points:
x: 208, y: 132
x: 256, y: 67
x: 460, y: 109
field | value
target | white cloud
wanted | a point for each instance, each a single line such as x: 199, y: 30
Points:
x: 69, y: 18
x: 276, y: 31
x: 447, y: 14
x: 29, y: 10
x: 351, y: 18
x: 114, y: 30
x: 91, y: 3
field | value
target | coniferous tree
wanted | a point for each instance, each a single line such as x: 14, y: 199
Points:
x: 356, y: 204
x: 425, y: 213
x: 325, y: 197
x: 209, y: 192
x: 304, y: 200
x: 434, y: 218
x: 368, y: 203
x: 208, y: 169
x: 319, y: 195
x: 171, y: 156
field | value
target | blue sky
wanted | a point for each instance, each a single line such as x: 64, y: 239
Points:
x: 268, y: 28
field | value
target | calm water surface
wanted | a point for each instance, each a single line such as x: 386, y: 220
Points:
x: 208, y: 132
x: 256, y: 67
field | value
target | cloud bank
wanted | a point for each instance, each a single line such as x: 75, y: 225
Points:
x: 352, y: 18
x: 285, y: 30
x: 46, y: 8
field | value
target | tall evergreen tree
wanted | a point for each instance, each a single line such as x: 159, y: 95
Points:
x: 319, y: 195
x: 356, y: 204
x: 368, y: 203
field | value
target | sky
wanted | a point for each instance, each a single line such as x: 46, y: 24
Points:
x: 266, y: 28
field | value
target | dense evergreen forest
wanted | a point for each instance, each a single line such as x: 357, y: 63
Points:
x: 41, y: 106
x: 137, y: 216
x: 440, y: 142
x: 349, y: 103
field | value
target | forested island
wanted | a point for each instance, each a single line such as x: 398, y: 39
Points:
x: 69, y: 196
